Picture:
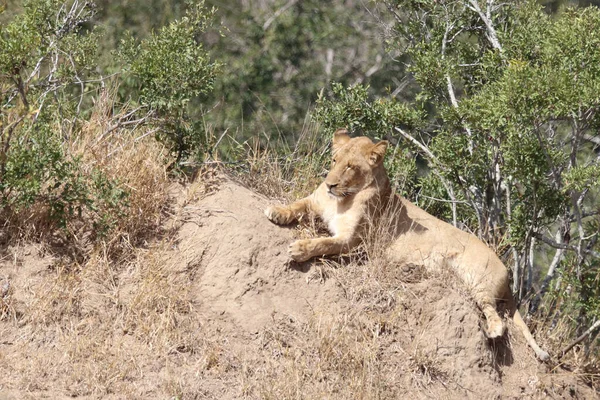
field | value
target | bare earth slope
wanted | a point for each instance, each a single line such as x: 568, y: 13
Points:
x: 243, y: 272
x: 219, y: 312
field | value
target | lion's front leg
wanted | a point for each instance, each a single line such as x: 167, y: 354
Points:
x: 305, y: 249
x: 283, y: 215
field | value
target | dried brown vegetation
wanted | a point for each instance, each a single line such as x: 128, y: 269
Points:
x: 214, y: 309
x: 126, y: 171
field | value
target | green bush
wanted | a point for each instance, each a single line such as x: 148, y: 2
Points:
x: 44, y: 58
x: 172, y: 68
x: 50, y: 90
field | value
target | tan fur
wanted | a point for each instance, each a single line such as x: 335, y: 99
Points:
x: 354, y: 195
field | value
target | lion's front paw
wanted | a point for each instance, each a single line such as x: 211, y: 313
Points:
x: 279, y: 215
x: 495, y: 328
x: 299, y: 250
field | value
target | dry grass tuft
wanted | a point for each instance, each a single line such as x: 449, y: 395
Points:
x: 279, y: 172
x: 327, y: 355
x: 57, y: 300
x: 133, y: 159
x: 98, y: 363
x: 120, y: 186
x: 206, y: 181
x: 558, y: 332
x: 158, y: 309
x: 6, y: 308
x: 426, y: 368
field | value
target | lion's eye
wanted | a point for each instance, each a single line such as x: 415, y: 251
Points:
x: 349, y: 167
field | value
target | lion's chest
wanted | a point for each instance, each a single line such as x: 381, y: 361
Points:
x: 329, y: 216
x: 339, y: 223
x: 333, y: 223
x: 340, y: 217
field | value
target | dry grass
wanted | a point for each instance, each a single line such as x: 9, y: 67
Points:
x: 159, y: 310
x: 113, y: 157
x: 57, y: 300
x: 133, y: 159
x: 328, y: 357
x: 278, y: 172
x: 205, y: 182
x: 129, y: 324
x: 94, y: 329
x: 426, y: 368
x: 555, y: 332
x: 6, y: 308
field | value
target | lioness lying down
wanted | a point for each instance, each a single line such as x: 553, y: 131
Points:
x: 351, y: 200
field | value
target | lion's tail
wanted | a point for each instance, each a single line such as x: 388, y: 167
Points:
x: 518, y: 320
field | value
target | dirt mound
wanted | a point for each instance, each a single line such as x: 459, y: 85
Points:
x: 243, y: 271
x: 218, y: 311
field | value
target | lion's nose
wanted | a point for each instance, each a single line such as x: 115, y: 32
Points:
x: 330, y: 185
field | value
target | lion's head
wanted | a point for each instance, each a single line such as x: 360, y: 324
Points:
x: 355, y: 162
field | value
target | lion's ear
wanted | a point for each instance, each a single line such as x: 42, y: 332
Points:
x: 340, y: 138
x: 377, y: 153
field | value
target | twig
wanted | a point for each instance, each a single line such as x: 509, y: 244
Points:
x: 564, y: 246
x: 433, y: 158
x: 418, y: 144
x: 593, y: 139
x: 278, y: 13
x: 450, y: 87
x: 150, y: 132
x: 491, y: 32
x: 329, y: 63
x: 577, y: 201
x: 514, y: 251
x: 443, y: 200
x: 579, y: 339
x: 219, y: 141
x: 551, y: 270
x: 530, y: 266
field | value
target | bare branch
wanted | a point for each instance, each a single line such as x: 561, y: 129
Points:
x: 277, y: 13
x: 486, y: 18
x: 453, y: 101
x: 593, y: 139
x: 529, y: 278
x: 551, y: 269
x: 442, y: 200
x: 433, y: 158
x: 577, y: 201
x: 553, y: 169
x: 453, y: 205
x: 400, y: 85
x: 580, y: 339
x: 329, y: 64
x: 376, y: 67
x: 414, y: 141
x: 564, y: 246
x: 514, y: 251
x: 150, y: 132
x: 555, y: 260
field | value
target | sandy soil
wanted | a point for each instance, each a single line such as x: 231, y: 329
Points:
x: 218, y: 311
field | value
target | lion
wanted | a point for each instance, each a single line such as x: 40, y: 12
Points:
x: 352, y: 198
